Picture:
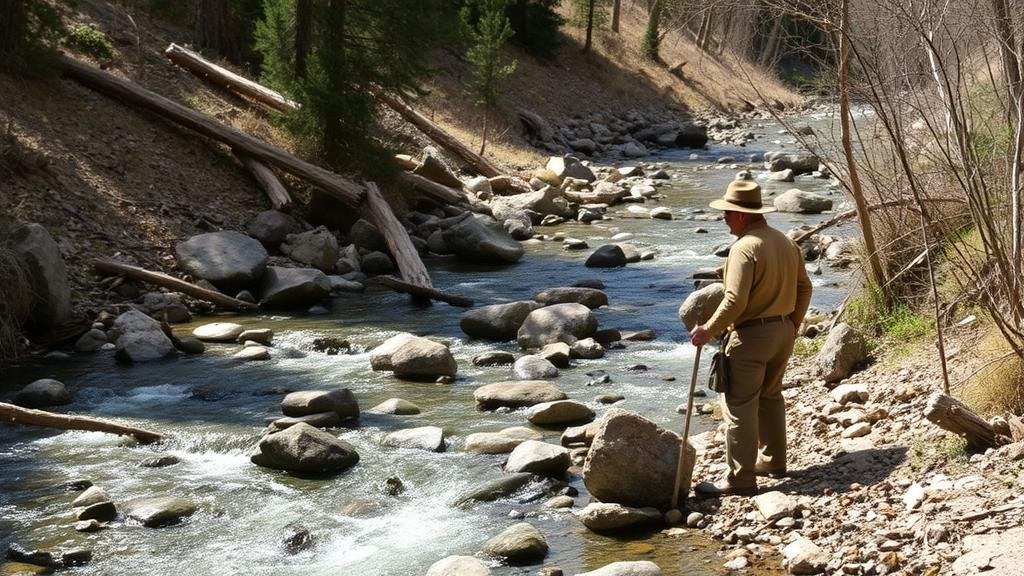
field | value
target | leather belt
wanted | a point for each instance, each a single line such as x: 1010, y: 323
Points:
x: 760, y: 321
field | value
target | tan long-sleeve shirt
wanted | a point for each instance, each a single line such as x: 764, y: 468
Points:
x: 764, y: 277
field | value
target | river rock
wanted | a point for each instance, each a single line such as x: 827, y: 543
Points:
x: 40, y: 258
x: 228, y: 259
x: 607, y: 516
x: 396, y: 406
x: 219, y: 332
x: 633, y: 461
x: 410, y: 356
x: 100, y: 512
x: 607, y: 256
x: 159, y: 511
x: 304, y: 449
x: 160, y: 461
x: 458, y: 566
x: 538, y: 457
x: 261, y: 335
x: 493, y: 358
x: 89, y: 526
x: 497, y: 321
x: 661, y: 213
x: 429, y: 438
x: 91, y: 341
x: 318, y: 420
x: 271, y: 227
x: 520, y: 543
x: 433, y: 167
x: 559, y: 412
x: 341, y: 401
x: 501, y: 442
x: 377, y: 263
x: 781, y: 176
x: 802, y: 556
x: 502, y: 487
x: 556, y: 353
x: 294, y: 287
x: 364, y: 234
x: 575, y: 435
x: 140, y: 338
x: 43, y: 393
x: 91, y: 495
x: 700, y: 305
x: 774, y: 505
x: 516, y: 394
x: 589, y: 297
x: 643, y: 191
x: 549, y: 200
x: 296, y: 538
x: 252, y: 353
x: 317, y: 248
x: 478, y: 238
x: 801, y: 202
x: 533, y: 367
x: 557, y: 323
x: 558, y: 168
x: 586, y: 349
x: 189, y: 344
x: 798, y: 163
x: 843, y: 350
x: 636, y: 568
x: 850, y: 394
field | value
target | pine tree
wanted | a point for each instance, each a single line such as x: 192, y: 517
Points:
x: 29, y: 32
x: 652, y: 38
x: 589, y: 14
x: 535, y: 25
x: 489, y: 31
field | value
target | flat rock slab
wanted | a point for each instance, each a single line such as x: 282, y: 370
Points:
x: 992, y: 554
x: 774, y: 505
x: 802, y: 556
x: 252, y: 353
x: 219, y: 332
x: 638, y: 568
x: 519, y: 543
x: 429, y: 438
x: 494, y: 358
x: 516, y: 394
x: 159, y: 511
x: 501, y: 442
x: 607, y: 516
x: 396, y: 406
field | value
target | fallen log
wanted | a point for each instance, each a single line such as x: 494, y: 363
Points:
x: 110, y: 267
x: 347, y: 191
x: 422, y: 292
x: 377, y: 211
x: 482, y: 166
x: 953, y: 415
x: 11, y: 414
x: 438, y: 192
x: 201, y: 67
x: 272, y: 187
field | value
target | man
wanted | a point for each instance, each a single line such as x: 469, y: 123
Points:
x: 766, y: 297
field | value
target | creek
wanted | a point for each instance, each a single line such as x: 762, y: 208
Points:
x: 359, y: 530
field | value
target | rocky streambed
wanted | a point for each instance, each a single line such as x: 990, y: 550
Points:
x: 438, y: 473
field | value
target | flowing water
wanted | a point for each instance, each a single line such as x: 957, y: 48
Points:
x: 359, y: 530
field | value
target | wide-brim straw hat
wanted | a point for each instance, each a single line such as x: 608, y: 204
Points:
x: 742, y: 196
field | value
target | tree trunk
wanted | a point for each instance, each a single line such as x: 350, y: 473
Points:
x: 203, y: 68
x: 377, y: 211
x: 303, y: 35
x: 874, y: 259
x: 1007, y: 44
x: 590, y: 26
x: 110, y: 267
x: 330, y: 182
x: 483, y: 138
x: 482, y: 166
x: 705, y: 30
x: 11, y: 414
x: 426, y: 293
x: 950, y: 414
x: 616, y: 8
x: 651, y: 34
x: 213, y: 27
x: 771, y: 44
x: 275, y: 191
x: 12, y: 27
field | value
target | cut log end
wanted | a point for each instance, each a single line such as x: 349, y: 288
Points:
x: 954, y: 416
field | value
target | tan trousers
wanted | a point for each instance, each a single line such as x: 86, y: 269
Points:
x: 754, y: 409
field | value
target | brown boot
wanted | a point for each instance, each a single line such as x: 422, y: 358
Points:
x: 762, y: 469
x: 724, y: 488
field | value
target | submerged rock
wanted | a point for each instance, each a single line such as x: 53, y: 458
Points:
x: 396, y: 406
x: 502, y: 487
x: 637, y: 568
x: 429, y: 438
x: 159, y: 511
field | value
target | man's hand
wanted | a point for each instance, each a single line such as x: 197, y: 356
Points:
x: 700, y: 336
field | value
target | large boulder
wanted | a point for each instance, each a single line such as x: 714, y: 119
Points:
x: 40, y: 257
x: 42, y: 393
x: 271, y: 227
x: 798, y: 163
x: 635, y: 568
x: 608, y: 516
x: 844, y: 348
x: 559, y: 413
x: 589, y: 297
x: 228, y: 259
x: 429, y: 438
x: 533, y: 367
x: 159, y: 511
x: 538, y: 458
x: 317, y: 248
x: 458, y: 566
x: 691, y: 135
x: 607, y: 256
x: 559, y: 168
x: 520, y: 543
x: 340, y: 401
x: 701, y: 304
x: 497, y: 321
x: 557, y: 323
x: 547, y: 200
x: 294, y: 287
x: 516, y: 394
x: 365, y: 234
x: 501, y: 442
x: 304, y: 449
x: 478, y: 238
x: 633, y: 461
x: 410, y: 356
x: 139, y: 338
x: 802, y: 202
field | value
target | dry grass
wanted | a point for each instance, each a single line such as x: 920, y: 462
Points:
x: 998, y: 386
